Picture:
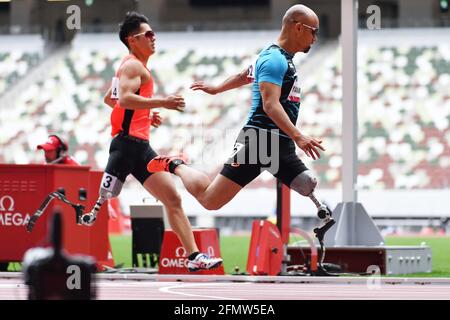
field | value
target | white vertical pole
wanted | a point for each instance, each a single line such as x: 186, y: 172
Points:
x: 349, y: 20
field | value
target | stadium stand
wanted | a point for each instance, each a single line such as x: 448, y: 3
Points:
x: 404, y: 107
x: 14, y: 66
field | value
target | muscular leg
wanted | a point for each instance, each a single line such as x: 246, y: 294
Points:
x: 162, y: 187
x: 211, y: 195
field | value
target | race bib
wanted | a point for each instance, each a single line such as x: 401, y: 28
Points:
x: 251, y: 70
x: 294, y: 95
x: 237, y: 147
x: 108, y: 182
x: 115, y: 88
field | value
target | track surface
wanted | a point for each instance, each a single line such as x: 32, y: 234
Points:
x: 154, y: 287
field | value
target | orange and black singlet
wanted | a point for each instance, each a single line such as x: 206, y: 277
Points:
x: 134, y: 123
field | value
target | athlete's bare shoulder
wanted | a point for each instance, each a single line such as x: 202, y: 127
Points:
x: 133, y: 68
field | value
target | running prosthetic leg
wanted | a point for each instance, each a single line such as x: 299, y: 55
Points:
x: 110, y: 187
x: 324, y: 213
x: 89, y: 218
x: 54, y: 195
x: 322, y: 210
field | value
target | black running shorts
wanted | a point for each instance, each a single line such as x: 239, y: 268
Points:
x: 258, y: 150
x: 129, y: 155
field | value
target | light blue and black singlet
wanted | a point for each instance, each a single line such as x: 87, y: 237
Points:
x: 274, y: 65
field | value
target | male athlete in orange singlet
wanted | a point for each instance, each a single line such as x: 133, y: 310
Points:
x: 131, y: 97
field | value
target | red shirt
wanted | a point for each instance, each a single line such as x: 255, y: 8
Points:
x: 69, y: 160
x: 135, y: 123
x: 65, y: 160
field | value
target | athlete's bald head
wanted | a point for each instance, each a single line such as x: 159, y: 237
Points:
x: 299, y: 30
x: 299, y: 13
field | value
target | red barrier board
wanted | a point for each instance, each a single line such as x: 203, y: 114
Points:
x: 22, y: 190
x: 174, y: 258
x: 266, y: 249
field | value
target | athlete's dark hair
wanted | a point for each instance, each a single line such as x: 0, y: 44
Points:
x: 131, y: 24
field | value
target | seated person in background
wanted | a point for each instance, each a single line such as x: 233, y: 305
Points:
x: 56, y: 151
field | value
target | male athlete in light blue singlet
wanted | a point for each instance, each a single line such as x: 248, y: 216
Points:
x: 268, y: 139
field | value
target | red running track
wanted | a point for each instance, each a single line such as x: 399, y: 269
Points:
x: 318, y: 289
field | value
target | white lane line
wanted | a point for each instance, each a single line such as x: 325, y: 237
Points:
x: 12, y: 286
x: 186, y: 286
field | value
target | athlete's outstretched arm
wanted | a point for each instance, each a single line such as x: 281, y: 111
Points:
x: 232, y: 82
x: 129, y: 84
x: 270, y: 94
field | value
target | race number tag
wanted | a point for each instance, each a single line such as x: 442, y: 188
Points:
x: 237, y: 147
x: 294, y: 95
x: 251, y: 70
x: 108, y: 182
x: 115, y: 88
